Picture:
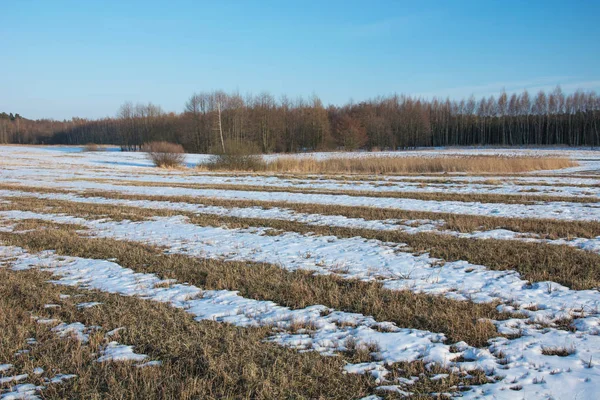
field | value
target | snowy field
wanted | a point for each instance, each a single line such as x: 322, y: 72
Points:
x: 526, y: 246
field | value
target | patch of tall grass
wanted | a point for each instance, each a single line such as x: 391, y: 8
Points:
x: 397, y: 165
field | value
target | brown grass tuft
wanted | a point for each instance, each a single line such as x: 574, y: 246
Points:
x: 558, y: 351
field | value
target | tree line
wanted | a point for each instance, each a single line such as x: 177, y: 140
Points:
x: 292, y: 125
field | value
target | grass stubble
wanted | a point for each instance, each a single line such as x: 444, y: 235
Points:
x: 545, y: 227
x: 415, y: 195
x: 263, y: 281
x: 214, y: 360
x: 564, y: 264
x: 200, y: 359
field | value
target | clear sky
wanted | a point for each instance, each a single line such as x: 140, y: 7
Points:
x: 86, y: 57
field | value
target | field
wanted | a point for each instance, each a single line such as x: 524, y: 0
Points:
x: 476, y: 277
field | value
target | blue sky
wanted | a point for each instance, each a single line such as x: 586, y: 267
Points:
x: 85, y: 58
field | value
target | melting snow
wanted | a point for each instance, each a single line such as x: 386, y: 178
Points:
x: 517, y: 362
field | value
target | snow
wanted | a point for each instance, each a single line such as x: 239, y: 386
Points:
x: 22, y: 391
x: 76, y: 330
x: 120, y: 352
x: 5, y: 367
x: 554, y: 210
x: 15, y: 378
x: 73, y: 155
x: 150, y: 364
x: 112, y: 352
x: 349, y: 257
x: 88, y: 304
x: 60, y: 378
x: 47, y: 321
x: 525, y: 365
x: 115, y: 331
x: 519, y: 364
x: 406, y: 226
x: 28, y: 391
x: 22, y: 166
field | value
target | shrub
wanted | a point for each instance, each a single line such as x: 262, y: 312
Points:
x: 237, y: 157
x: 92, y: 147
x: 165, y: 154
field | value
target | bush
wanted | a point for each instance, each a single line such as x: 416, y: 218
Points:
x: 165, y: 154
x: 237, y: 157
x: 92, y: 147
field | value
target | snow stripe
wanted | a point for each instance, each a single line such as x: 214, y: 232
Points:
x: 406, y: 226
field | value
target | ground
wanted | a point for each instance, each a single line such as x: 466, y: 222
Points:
x: 119, y: 279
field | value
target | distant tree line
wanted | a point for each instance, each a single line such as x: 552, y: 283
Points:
x: 291, y: 125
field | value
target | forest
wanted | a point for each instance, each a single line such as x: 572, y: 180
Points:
x: 293, y: 125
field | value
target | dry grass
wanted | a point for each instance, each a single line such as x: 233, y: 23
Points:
x: 546, y: 228
x: 561, y: 351
x: 165, y: 154
x: 459, y: 320
x: 397, y: 165
x: 422, y: 389
x: 535, y: 261
x: 431, y: 179
x: 428, y: 196
x: 200, y: 360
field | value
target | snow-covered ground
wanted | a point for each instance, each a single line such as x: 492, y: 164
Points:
x: 517, y: 367
x: 407, y: 226
x: 18, y: 164
x: 517, y: 363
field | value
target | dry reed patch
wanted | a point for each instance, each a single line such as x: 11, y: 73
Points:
x: 396, y: 165
x: 200, y: 359
x: 459, y: 320
x: 534, y: 261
